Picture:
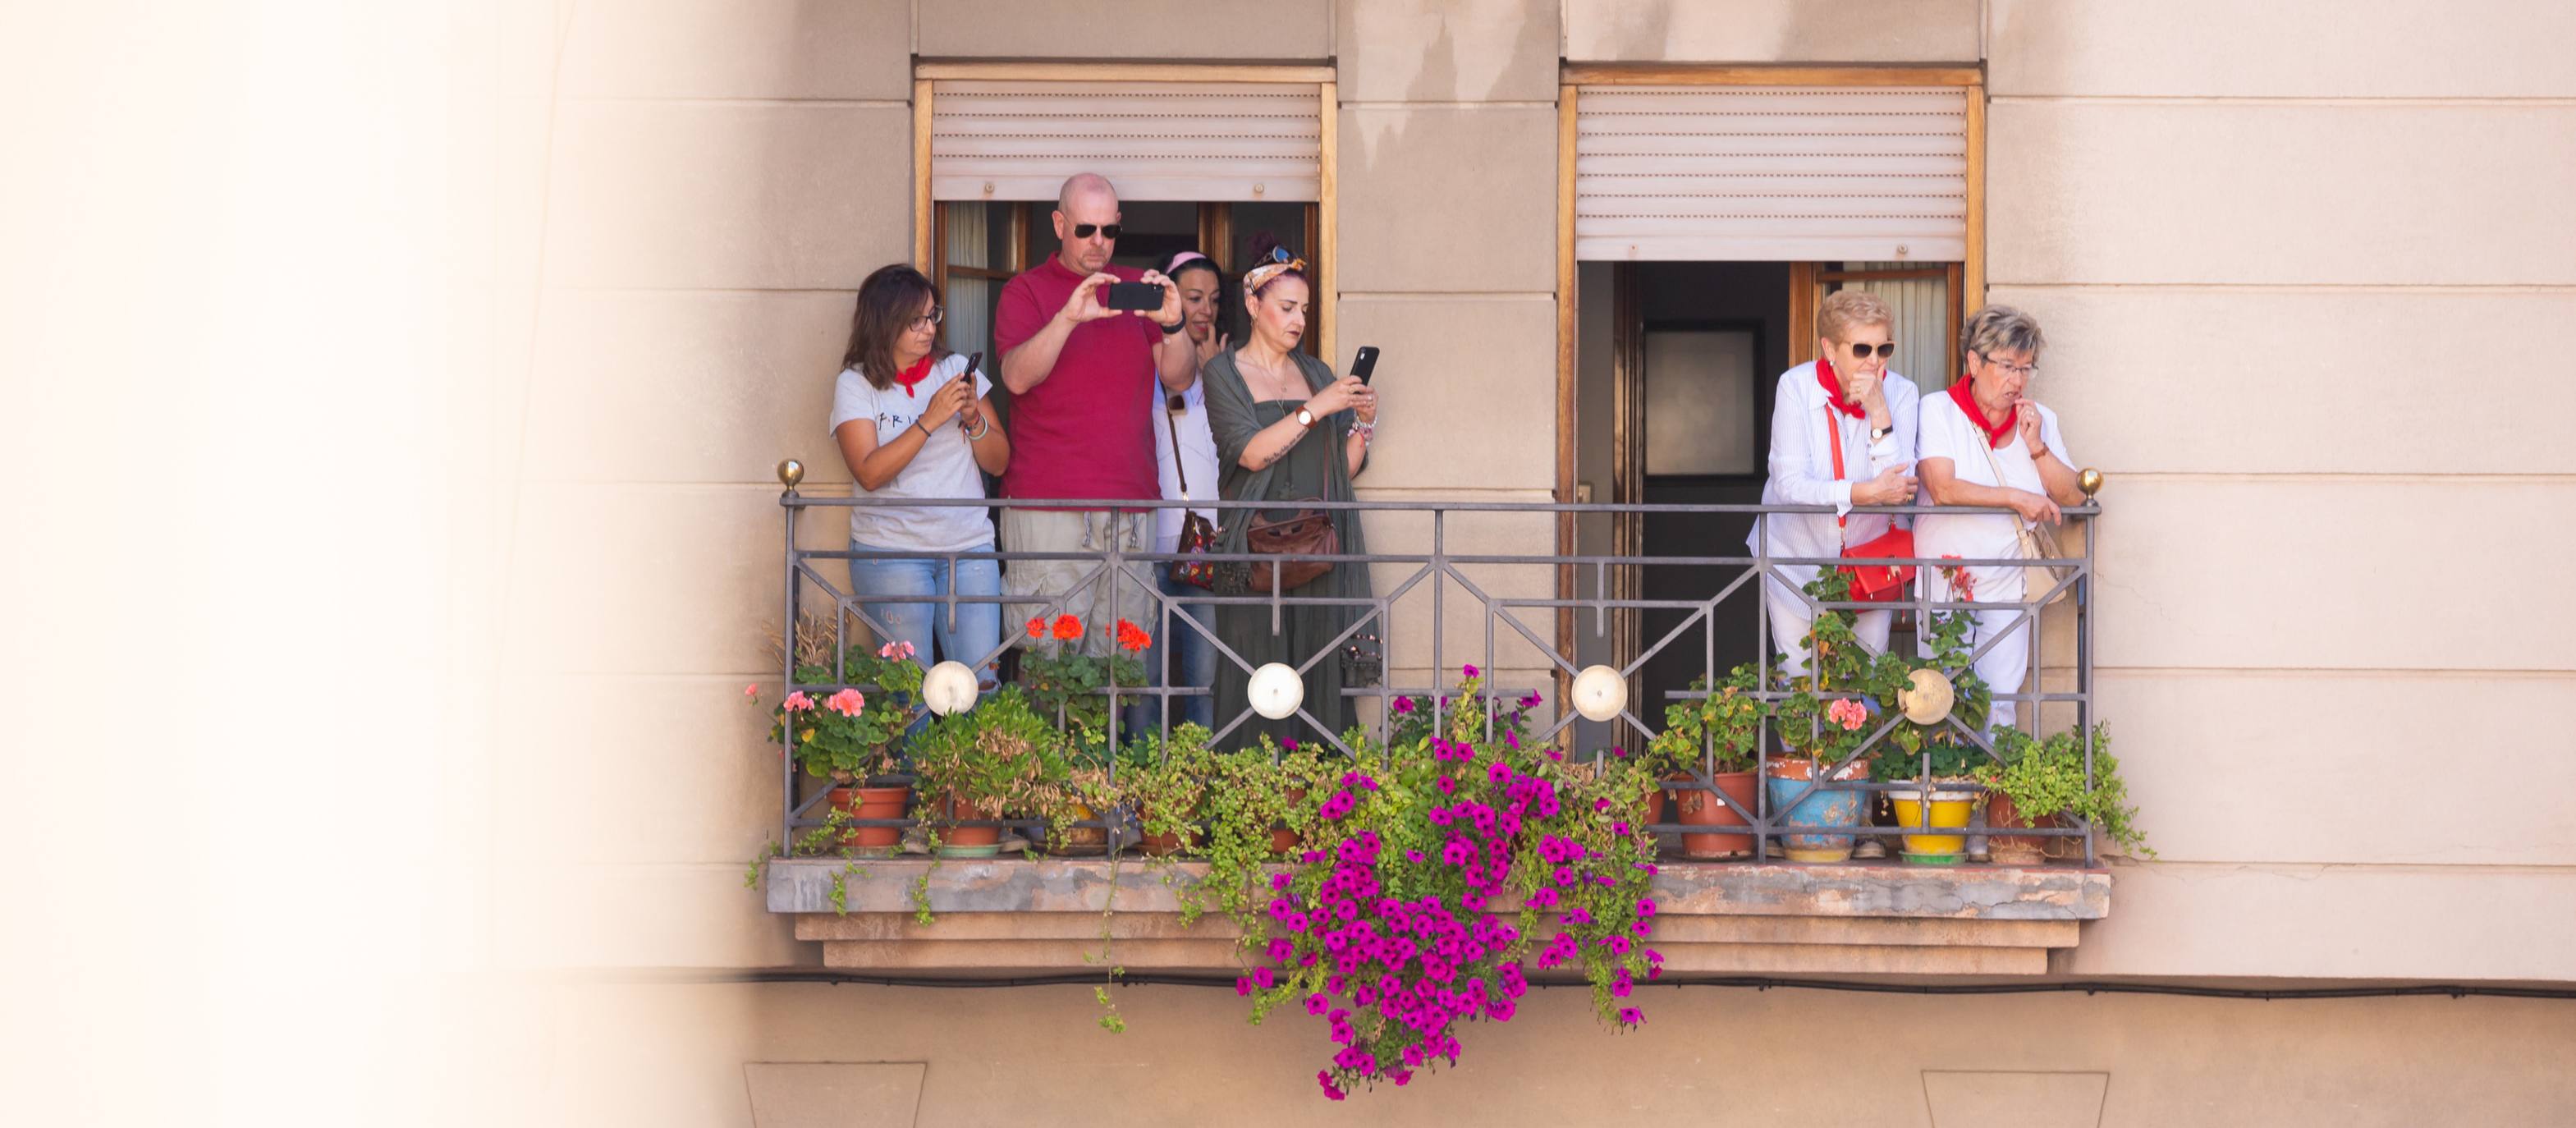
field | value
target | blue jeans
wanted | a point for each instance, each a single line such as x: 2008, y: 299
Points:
x: 1191, y: 654
x: 978, y: 626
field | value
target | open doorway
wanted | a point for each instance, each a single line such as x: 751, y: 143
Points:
x: 1677, y: 368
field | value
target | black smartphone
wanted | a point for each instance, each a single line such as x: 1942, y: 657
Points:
x: 1134, y: 295
x: 1364, y: 363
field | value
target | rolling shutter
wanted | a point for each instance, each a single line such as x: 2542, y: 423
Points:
x: 1771, y: 173
x: 1153, y: 140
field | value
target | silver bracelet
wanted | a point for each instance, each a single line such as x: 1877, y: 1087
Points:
x: 1366, y: 431
x: 983, y: 427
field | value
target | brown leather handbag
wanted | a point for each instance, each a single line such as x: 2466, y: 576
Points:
x: 1309, y: 533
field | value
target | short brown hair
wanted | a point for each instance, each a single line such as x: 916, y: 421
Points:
x: 888, y: 301
x: 1846, y: 308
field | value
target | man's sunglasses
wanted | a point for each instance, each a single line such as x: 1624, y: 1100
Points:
x: 1884, y: 351
x: 1107, y: 230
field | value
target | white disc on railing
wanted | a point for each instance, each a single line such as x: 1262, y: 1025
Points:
x: 1276, y: 691
x: 1600, y: 694
x: 949, y: 688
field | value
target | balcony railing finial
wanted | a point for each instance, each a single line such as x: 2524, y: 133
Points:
x: 790, y: 472
x: 2089, y: 480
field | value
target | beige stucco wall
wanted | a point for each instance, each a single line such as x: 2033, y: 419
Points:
x: 2259, y: 266
x: 1705, y: 1056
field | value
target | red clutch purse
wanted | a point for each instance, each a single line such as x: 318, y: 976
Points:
x: 1872, y: 583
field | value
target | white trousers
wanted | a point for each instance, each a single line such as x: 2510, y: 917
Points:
x: 1791, y: 616
x: 2005, y: 667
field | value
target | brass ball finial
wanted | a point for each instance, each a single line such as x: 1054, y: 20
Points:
x: 790, y: 472
x: 2089, y: 480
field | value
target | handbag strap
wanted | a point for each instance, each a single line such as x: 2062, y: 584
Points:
x: 1834, y: 439
x: 1989, y: 447
x: 1180, y: 465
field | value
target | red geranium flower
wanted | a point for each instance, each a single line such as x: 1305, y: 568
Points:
x: 1132, y: 638
x: 1067, y: 628
x: 1037, y: 627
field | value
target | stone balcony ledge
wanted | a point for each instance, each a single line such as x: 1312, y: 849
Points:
x: 1016, y: 915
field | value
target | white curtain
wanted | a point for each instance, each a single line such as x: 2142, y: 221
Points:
x: 1922, y: 307
x: 970, y: 300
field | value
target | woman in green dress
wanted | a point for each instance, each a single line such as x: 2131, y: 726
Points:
x: 1288, y: 431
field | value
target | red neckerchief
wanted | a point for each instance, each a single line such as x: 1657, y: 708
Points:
x: 1967, y: 401
x: 1834, y: 389
x: 919, y: 371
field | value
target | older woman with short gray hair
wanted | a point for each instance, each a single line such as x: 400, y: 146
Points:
x: 1986, y: 443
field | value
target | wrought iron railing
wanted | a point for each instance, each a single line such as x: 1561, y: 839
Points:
x: 1430, y: 576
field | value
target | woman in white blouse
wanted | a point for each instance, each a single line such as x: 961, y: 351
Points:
x: 1846, y: 398
x: 1985, y: 444
x: 1189, y: 473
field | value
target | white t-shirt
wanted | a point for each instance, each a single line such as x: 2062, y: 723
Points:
x: 1197, y: 460
x: 1947, y: 432
x: 945, y: 466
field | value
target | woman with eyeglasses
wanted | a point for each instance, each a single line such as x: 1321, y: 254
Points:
x: 1986, y: 443
x: 1288, y: 431
x: 1842, y: 434
x: 912, y: 422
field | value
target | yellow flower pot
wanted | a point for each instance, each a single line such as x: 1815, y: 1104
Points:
x: 1941, y: 810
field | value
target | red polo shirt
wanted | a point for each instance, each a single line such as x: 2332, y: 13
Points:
x: 1085, y: 432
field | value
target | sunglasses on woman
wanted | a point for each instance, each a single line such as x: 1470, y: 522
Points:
x: 1860, y: 351
x: 1107, y: 231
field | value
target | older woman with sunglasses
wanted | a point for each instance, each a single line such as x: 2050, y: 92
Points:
x: 1985, y: 443
x: 1842, y: 434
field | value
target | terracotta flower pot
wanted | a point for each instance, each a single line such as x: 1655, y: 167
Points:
x: 1155, y: 845
x: 1282, y: 839
x: 872, y: 803
x: 1701, y: 808
x: 2025, y: 849
x: 966, y: 841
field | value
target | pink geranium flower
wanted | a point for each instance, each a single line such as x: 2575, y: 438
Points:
x: 797, y: 702
x: 1848, y: 713
x: 847, y: 703
x: 896, y: 649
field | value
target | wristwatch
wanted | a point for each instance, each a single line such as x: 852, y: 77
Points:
x: 1877, y: 433
x: 1305, y: 418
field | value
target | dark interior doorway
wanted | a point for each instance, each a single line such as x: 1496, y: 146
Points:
x: 1705, y: 344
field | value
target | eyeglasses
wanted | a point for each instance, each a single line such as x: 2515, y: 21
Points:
x: 2025, y: 371
x: 1860, y: 350
x: 1107, y: 231
x: 925, y: 321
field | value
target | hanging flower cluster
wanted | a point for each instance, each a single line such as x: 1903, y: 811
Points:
x: 1428, y: 878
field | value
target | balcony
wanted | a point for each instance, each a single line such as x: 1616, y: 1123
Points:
x: 1543, y: 628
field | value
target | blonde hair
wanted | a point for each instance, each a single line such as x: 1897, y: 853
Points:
x: 1846, y: 308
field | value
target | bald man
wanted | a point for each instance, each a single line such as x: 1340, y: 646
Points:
x: 1077, y: 372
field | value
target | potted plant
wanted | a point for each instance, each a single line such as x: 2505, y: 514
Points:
x: 1064, y: 683
x: 852, y: 738
x: 1942, y: 796
x: 1161, y: 781
x: 998, y: 759
x: 2041, y: 782
x: 1720, y: 731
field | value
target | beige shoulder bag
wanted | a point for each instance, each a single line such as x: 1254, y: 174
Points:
x: 2037, y: 542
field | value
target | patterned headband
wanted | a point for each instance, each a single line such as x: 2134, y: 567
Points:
x: 1259, y: 276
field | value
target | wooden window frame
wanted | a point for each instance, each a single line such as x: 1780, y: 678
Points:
x: 1324, y: 238
x: 1967, y: 291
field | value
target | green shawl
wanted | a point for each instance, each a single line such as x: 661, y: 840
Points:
x: 1233, y: 422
